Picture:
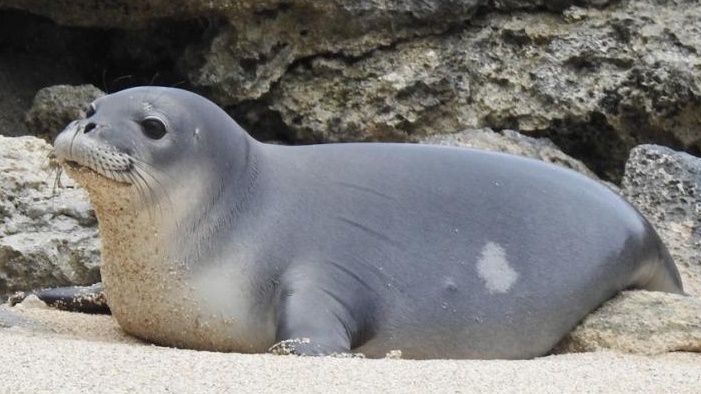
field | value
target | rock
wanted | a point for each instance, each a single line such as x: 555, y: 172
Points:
x: 250, y: 44
x: 32, y: 301
x: 10, y: 318
x: 260, y: 42
x: 137, y: 13
x: 56, y: 106
x: 596, y: 81
x: 555, y: 5
x: 597, y: 77
x: 640, y: 322
x: 48, y: 231
x: 666, y: 186
x: 510, y: 141
x: 130, y: 14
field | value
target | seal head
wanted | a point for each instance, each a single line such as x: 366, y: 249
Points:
x: 124, y: 134
x: 164, y: 169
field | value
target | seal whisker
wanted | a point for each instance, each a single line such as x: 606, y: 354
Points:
x: 140, y: 189
x: 150, y: 167
x: 152, y: 193
x: 140, y: 169
x: 123, y: 77
x: 56, y: 170
x: 143, y: 187
x: 70, y: 148
x: 156, y: 75
x: 57, y: 180
x: 154, y: 206
x: 110, y: 172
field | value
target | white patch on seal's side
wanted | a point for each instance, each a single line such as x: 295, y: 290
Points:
x: 494, y: 269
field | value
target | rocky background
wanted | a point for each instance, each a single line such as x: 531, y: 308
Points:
x: 581, y: 83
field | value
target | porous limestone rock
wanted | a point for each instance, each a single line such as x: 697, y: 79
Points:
x: 48, y: 231
x: 596, y: 81
x: 56, y: 106
x: 666, y: 186
x: 645, y: 322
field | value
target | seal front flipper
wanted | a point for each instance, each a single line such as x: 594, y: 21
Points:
x: 85, y: 299
x: 319, y: 314
x: 307, y: 324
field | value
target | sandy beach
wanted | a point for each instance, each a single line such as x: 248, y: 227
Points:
x: 70, y: 352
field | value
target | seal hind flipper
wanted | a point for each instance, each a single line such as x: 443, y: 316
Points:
x: 85, y: 299
x: 665, y: 275
x: 657, y: 271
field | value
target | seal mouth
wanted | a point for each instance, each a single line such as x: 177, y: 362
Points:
x: 73, y: 165
x: 118, y: 176
x: 79, y: 153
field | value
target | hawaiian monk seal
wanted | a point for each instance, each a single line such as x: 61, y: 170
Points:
x: 212, y: 240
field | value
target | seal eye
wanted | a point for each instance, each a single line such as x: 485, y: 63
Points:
x: 90, y: 111
x: 154, y: 128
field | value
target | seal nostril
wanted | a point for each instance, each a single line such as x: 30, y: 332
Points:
x: 89, y: 127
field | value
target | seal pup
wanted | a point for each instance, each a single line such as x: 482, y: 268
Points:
x: 212, y: 240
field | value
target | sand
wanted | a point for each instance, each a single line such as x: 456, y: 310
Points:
x: 70, y: 352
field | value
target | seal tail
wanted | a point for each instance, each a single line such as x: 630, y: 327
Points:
x: 664, y: 275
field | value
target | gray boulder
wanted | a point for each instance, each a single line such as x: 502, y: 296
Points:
x: 640, y: 322
x: 251, y: 43
x: 138, y: 13
x: 596, y: 81
x: 597, y: 77
x: 666, y: 186
x: 56, y: 106
x: 48, y: 231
